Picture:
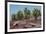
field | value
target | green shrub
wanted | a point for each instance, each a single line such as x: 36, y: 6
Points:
x: 36, y: 13
x: 20, y: 15
x: 26, y: 13
x: 13, y: 17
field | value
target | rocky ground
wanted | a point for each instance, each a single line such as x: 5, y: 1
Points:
x: 26, y: 23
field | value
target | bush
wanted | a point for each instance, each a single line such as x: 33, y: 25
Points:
x: 13, y: 17
x: 36, y: 13
x: 20, y: 15
x: 26, y: 13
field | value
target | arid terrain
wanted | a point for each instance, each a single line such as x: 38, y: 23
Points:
x: 26, y: 19
x: 26, y: 23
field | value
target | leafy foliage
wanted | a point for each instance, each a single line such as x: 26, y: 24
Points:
x: 36, y: 13
x: 20, y: 15
x: 13, y: 17
x: 26, y: 13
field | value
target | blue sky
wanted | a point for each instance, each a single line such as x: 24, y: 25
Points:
x: 15, y: 8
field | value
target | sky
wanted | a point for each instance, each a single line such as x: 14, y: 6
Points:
x: 15, y: 8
